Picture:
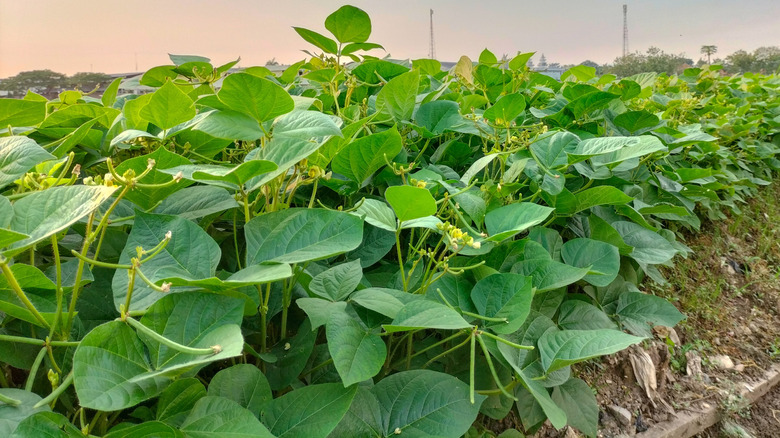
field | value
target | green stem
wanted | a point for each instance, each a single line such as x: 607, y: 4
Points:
x: 79, y: 272
x: 34, y: 341
x: 439, y: 356
x: 56, y: 393
x: 318, y: 367
x: 484, y: 318
x: 59, y: 292
x: 507, y: 342
x: 492, y: 368
x: 498, y: 391
x: 214, y: 349
x: 34, y: 369
x: 97, y: 263
x: 130, y: 287
x: 400, y: 255
x: 146, y: 280
x: 313, y: 193
x: 9, y: 400
x: 472, y: 365
x: 430, y: 347
x: 9, y: 275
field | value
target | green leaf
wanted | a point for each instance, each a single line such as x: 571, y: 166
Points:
x: 357, y: 353
x: 633, y: 121
x: 229, y: 124
x: 39, y: 289
x: 158, y: 76
x: 218, y: 417
x: 196, y: 202
x: 503, y: 296
x: 8, y: 237
x: 300, y: 234
x: 46, y: 424
x: 579, y: 315
x: 363, y: 418
x: 177, y: 400
x: 601, y: 258
x: 349, y: 24
x: 285, y: 152
x: 644, y: 144
x: 549, y: 274
x: 168, y: 107
x: 244, y: 384
x: 583, y: 73
x: 148, y: 197
x: 582, y: 410
x: 384, y: 301
x: 338, y: 282
x: 183, y: 59
x: 396, y: 100
x: 559, y: 349
x: 146, y: 429
x: 602, y: 231
x: 361, y: 158
x: 249, y: 276
x: 640, y: 312
x: 506, y: 109
x: 190, y: 254
x: 507, y: 221
x: 291, y: 355
x: 257, y: 97
x: 410, y: 202
x: 354, y: 47
x: 378, y: 214
x: 233, y: 177
x: 20, y: 112
x: 520, y: 61
x: 649, y: 247
x: 601, y: 195
x: 603, y: 145
x: 306, y: 125
x: 109, y: 96
x: 423, y: 403
x: 115, y: 368
x: 11, y: 416
x: 312, y: 411
x: 319, y: 310
x: 318, y: 39
x: 426, y: 314
x: 44, y: 213
x: 552, y: 150
x: 17, y: 156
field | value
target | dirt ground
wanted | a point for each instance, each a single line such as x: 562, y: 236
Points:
x: 729, y: 288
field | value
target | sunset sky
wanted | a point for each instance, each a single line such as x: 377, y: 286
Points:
x: 113, y: 35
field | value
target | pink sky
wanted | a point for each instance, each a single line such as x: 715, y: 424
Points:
x: 110, y: 35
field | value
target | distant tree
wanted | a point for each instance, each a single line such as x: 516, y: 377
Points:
x: 654, y: 60
x: 39, y: 81
x: 272, y: 61
x: 709, y: 51
x: 740, y: 62
x: 89, y: 81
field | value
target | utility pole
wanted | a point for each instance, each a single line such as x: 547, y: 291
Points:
x: 625, y: 30
x: 432, y: 49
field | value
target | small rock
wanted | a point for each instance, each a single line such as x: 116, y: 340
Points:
x: 739, y: 368
x: 622, y: 415
x: 693, y: 368
x: 722, y: 361
x: 570, y: 433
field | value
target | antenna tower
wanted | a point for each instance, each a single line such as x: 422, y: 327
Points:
x: 432, y: 49
x: 625, y: 30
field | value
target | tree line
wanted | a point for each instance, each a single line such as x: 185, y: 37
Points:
x: 47, y: 82
x: 762, y: 60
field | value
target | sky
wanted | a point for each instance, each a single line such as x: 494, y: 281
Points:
x: 119, y: 36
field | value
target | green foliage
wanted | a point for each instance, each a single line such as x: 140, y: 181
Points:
x: 365, y: 249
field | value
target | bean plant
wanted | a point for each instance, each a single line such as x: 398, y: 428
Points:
x: 357, y: 246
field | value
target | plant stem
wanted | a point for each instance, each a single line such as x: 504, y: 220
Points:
x: 60, y: 294
x: 446, y: 353
x: 34, y: 341
x: 79, y: 272
x: 51, y: 398
x: 9, y: 275
x: 507, y: 342
x: 9, y: 400
x: 34, y: 369
x: 400, y: 256
x: 472, y: 365
x: 492, y: 368
x: 169, y: 343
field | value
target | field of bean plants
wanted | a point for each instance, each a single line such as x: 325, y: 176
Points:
x: 356, y: 247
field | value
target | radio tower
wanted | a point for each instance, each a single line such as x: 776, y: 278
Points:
x: 432, y: 49
x: 625, y: 30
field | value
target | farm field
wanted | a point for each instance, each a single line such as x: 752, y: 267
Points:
x: 367, y: 247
